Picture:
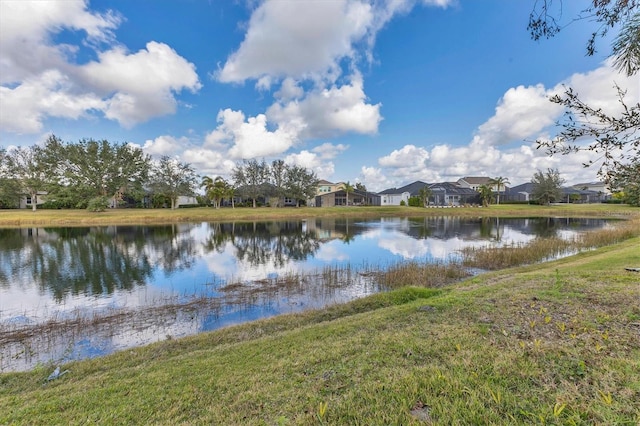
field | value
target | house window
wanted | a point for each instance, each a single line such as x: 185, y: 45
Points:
x: 288, y: 200
x: 29, y: 200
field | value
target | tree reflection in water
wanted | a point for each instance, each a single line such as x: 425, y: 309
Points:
x: 261, y: 243
x: 92, y: 261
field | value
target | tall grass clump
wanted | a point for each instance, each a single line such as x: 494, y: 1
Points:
x: 542, y: 249
x: 417, y: 274
x: 494, y: 258
x: 622, y: 231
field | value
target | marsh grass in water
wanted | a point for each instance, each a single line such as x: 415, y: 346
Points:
x: 22, y: 343
x: 422, y: 274
x: 544, y: 249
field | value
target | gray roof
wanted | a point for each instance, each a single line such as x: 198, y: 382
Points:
x: 452, y: 188
x: 524, y: 187
x: 528, y: 188
x: 567, y: 190
x: 412, y: 189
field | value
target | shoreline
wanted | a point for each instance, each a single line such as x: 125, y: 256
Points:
x: 78, y: 218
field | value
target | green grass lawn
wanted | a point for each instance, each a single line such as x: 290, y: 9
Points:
x: 27, y: 218
x: 556, y: 343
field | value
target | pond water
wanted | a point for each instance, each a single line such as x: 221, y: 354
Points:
x: 157, y: 282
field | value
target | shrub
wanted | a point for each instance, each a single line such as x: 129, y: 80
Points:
x: 415, y: 202
x: 50, y: 205
x: 402, y: 203
x: 98, y: 204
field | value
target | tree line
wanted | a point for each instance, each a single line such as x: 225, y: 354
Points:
x: 96, y: 174
x: 85, y: 174
x: 259, y: 180
x: 90, y: 174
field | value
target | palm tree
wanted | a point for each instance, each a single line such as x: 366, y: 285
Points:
x: 207, y: 184
x: 348, y: 188
x: 231, y: 192
x: 424, y: 195
x: 499, y: 182
x: 485, y: 194
x: 219, y: 191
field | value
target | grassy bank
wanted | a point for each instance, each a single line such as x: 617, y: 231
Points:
x: 544, y: 344
x: 27, y: 218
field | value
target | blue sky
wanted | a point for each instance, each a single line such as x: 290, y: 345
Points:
x: 380, y: 92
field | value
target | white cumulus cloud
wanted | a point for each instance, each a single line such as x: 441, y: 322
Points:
x: 596, y: 88
x: 144, y: 82
x: 251, y: 137
x: 374, y: 179
x: 319, y: 159
x: 40, y: 78
x: 328, y: 112
x: 208, y: 162
x: 166, y: 145
x: 26, y: 29
x: 297, y: 39
x: 23, y: 108
x: 521, y: 112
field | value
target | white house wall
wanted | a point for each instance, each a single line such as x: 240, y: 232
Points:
x: 394, y: 199
x: 186, y: 200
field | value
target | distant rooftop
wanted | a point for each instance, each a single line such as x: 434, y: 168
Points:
x: 412, y: 188
x: 476, y: 180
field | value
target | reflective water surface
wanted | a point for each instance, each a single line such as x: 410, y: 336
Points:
x: 157, y: 282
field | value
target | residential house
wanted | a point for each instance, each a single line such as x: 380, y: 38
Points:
x: 394, y: 196
x: 594, y: 186
x: 452, y: 194
x: 524, y: 192
x: 186, y: 200
x: 339, y: 198
x: 475, y: 182
x: 324, y: 187
x: 26, y: 202
x: 519, y: 193
x: 582, y: 196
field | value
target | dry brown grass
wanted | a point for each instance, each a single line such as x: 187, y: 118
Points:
x: 27, y: 218
x: 542, y: 249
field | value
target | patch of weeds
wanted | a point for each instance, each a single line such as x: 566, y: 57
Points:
x: 483, y: 329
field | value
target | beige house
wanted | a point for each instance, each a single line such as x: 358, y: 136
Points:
x: 475, y: 182
x: 325, y: 187
x: 600, y: 187
x: 341, y: 198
